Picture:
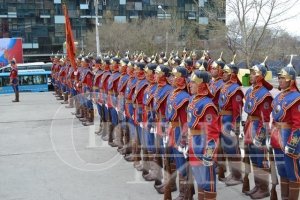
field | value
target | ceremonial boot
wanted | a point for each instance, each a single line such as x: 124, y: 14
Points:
x: 141, y: 165
x: 90, y: 120
x: 137, y: 155
x: 263, y: 185
x: 221, y: 172
x: 189, y: 190
x: 101, y: 128
x: 71, y: 102
x: 65, y: 98
x: 210, y: 195
x: 284, y: 188
x: 80, y: 113
x: 200, y: 194
x: 55, y: 90
x: 76, y: 107
x: 256, y: 182
x: 105, y: 130
x: 111, y: 135
x: 130, y: 157
x: 294, y: 188
x: 221, y: 162
x: 98, y: 132
x: 16, y: 97
x: 172, y: 180
x: 60, y: 97
x: 236, y: 176
x: 152, y: 167
x: 77, y: 112
x: 85, y: 114
x: 182, y: 188
x: 125, y: 149
x: 158, y: 171
x: 144, y: 166
x: 119, y: 137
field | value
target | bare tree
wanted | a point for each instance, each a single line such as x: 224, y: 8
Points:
x: 253, y: 20
x: 150, y: 35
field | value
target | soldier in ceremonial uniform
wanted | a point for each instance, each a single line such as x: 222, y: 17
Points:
x: 96, y: 82
x: 13, y: 79
x: 53, y: 73
x: 201, y: 64
x: 149, y: 119
x: 70, y: 84
x: 189, y: 65
x: 87, y: 85
x: 103, y: 97
x: 123, y: 136
x: 77, y: 87
x: 162, y: 73
x: 177, y: 116
x: 208, y: 59
x: 285, y: 133
x: 217, y: 82
x: 129, y: 111
x: 137, y: 99
x: 230, y: 110
x: 176, y: 61
x: 162, y: 58
x: 112, y: 100
x: 258, y: 102
x: 215, y: 86
x: 194, y: 58
x: 203, y: 135
x: 59, y: 76
x: 63, y: 79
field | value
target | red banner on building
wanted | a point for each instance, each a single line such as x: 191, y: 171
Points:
x: 70, y: 46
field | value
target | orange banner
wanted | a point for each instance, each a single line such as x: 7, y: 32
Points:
x: 70, y: 46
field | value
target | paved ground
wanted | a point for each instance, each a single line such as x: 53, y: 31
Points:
x: 47, y: 154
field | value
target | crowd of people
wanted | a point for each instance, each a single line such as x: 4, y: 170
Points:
x: 180, y: 115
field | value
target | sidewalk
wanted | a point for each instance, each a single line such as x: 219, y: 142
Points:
x: 45, y: 153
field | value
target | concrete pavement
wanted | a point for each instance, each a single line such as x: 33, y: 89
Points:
x: 45, y: 153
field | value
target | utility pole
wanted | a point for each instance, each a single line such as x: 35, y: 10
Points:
x: 97, y: 31
x: 167, y: 34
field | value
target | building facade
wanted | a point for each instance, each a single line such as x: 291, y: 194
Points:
x: 41, y: 22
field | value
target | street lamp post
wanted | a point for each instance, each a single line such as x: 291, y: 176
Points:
x: 80, y: 33
x: 167, y: 33
x: 81, y: 36
x: 96, y: 24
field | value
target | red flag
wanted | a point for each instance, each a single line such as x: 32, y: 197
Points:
x: 70, y: 46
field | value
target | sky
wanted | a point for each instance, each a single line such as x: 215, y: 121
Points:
x: 292, y: 26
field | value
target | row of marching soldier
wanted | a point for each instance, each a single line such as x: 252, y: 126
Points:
x: 182, y: 116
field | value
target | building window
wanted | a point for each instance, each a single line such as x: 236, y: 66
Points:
x: 138, y: 6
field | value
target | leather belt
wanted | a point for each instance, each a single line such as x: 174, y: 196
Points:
x: 225, y: 112
x: 253, y: 118
x: 174, y: 124
x: 138, y: 105
x: 194, y: 132
x: 161, y: 117
x: 128, y: 101
x: 95, y: 87
x: 148, y: 109
x: 281, y: 125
